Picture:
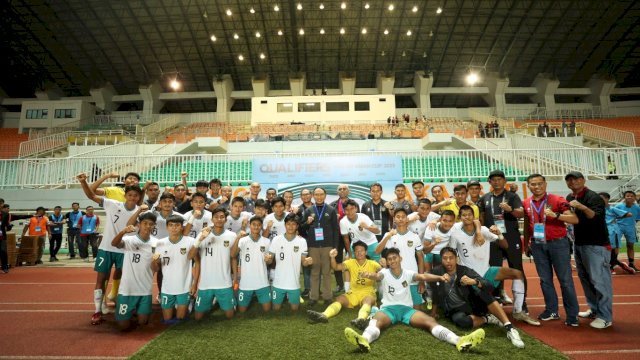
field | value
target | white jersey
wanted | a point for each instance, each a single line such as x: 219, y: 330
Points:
x: 160, y: 231
x: 409, y: 244
x: 254, y: 269
x: 117, y: 218
x: 198, y: 224
x: 430, y: 236
x: 472, y: 256
x: 235, y: 225
x: 137, y: 276
x: 288, y: 257
x: 395, y: 290
x: 215, y: 261
x: 176, y: 267
x: 418, y: 226
x: 353, y: 229
x: 277, y: 227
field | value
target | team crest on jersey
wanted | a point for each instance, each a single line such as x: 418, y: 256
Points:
x: 137, y: 248
x: 296, y: 248
x: 404, y: 283
x: 410, y: 243
x: 262, y: 249
x: 226, y: 243
x: 182, y: 251
x: 165, y: 252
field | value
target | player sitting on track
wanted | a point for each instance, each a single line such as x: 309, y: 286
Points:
x: 290, y: 251
x: 214, y: 250
x: 466, y: 298
x: 137, y: 276
x: 253, y: 251
x: 397, y: 307
x: 362, y: 291
x: 177, y: 284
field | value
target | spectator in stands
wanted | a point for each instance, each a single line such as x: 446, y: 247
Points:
x: 73, y: 231
x: 540, y: 130
x: 611, y: 169
x: 564, y: 129
x: 545, y: 129
x: 496, y: 129
x: 37, y: 227
x: 487, y: 129
x: 56, y: 221
x: 572, y: 128
x: 481, y: 132
x: 591, y: 250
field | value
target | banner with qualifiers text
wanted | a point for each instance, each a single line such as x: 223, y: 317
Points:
x: 334, y: 168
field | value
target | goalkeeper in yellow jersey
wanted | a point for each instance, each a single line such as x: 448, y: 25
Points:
x: 359, y: 291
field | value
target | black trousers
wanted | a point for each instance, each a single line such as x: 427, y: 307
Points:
x: 3, y: 254
x: 55, y: 242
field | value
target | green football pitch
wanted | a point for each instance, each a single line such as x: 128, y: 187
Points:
x: 287, y: 335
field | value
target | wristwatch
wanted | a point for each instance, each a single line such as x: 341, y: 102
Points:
x: 558, y: 215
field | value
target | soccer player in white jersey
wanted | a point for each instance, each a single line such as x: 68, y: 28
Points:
x: 396, y: 307
x: 134, y: 294
x: 237, y: 219
x: 163, y: 211
x: 253, y: 250
x: 172, y: 258
x: 118, y: 215
x: 355, y: 227
x: 434, y: 241
x: 198, y: 218
x: 472, y: 244
x: 289, y: 251
x: 274, y: 222
x: 422, y: 218
x: 410, y: 246
x: 214, y: 249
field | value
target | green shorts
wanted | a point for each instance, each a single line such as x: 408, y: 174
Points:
x: 490, y: 276
x: 432, y: 258
x: 170, y: 301
x: 106, y: 259
x: 399, y: 313
x: 126, y: 304
x: 225, y: 298
x: 415, y: 295
x: 277, y: 296
x: 263, y: 295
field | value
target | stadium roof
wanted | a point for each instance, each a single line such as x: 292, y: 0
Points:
x: 77, y: 45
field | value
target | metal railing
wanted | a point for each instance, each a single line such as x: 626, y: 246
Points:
x: 40, y: 133
x: 542, y: 113
x: 608, y: 135
x: 440, y: 165
x: 159, y: 126
x: 44, y: 144
x: 486, y: 118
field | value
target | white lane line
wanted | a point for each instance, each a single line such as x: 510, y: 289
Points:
x: 615, y: 303
x: 595, y: 352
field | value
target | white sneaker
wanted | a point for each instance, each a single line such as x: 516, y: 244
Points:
x: 600, y: 323
x: 106, y: 309
x: 491, y: 319
x: 505, y: 298
x: 589, y: 314
x: 514, y: 336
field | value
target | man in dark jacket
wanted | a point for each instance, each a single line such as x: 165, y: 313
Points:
x: 466, y: 297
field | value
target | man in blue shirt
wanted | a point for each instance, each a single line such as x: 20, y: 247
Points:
x: 612, y: 216
x: 628, y: 224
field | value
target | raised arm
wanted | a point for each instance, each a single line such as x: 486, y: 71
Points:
x: 95, y: 186
x: 386, y: 238
x: 88, y: 191
x: 117, y: 241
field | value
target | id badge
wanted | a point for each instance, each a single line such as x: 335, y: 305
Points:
x: 56, y: 229
x: 38, y: 229
x: 75, y: 224
x: 538, y: 233
x: 499, y: 221
x: 319, y: 232
x: 378, y: 224
x: 87, y: 230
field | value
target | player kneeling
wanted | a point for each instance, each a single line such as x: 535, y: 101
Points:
x: 171, y: 257
x: 397, y: 307
x: 362, y: 292
x: 289, y: 251
x: 137, y: 276
x: 253, y: 251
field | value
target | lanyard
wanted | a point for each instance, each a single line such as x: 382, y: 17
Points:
x: 373, y: 212
x: 57, y: 218
x: 501, y: 209
x: 538, y: 210
x: 321, y: 212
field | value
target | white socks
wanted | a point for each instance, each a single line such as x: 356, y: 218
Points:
x: 371, y: 333
x: 97, y: 299
x: 517, y: 287
x: 444, y: 334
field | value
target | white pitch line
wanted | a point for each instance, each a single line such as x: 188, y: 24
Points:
x: 615, y: 303
x: 594, y: 352
x: 580, y: 296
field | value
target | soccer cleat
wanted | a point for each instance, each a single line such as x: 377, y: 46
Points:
x: 360, y: 323
x: 357, y: 340
x: 599, y: 323
x: 491, y: 319
x: 522, y: 316
x: 514, y: 336
x: 505, y: 298
x: 469, y: 341
x: 589, y: 314
x: 96, y: 319
x: 317, y: 317
x: 547, y: 315
x: 627, y: 268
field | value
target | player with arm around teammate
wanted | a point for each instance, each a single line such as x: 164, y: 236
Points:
x: 362, y: 291
x: 137, y: 275
x: 397, y: 307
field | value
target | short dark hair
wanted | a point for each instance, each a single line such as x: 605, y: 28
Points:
x: 168, y: 195
x: 133, y: 188
x: 465, y: 207
x: 321, y: 188
x: 390, y: 251
x: 361, y: 244
x: 197, y: 194
x: 399, y: 186
x: 175, y: 219
x: 217, y: 210
x: 89, y: 207
x: 395, y: 211
x: 277, y: 199
x: 424, y: 201
x: 154, y: 183
x: 134, y: 174
x: 256, y: 218
x: 351, y: 202
x: 629, y: 192
x: 460, y: 187
x: 261, y: 203
x: 272, y: 189
x: 237, y: 199
x: 147, y: 216
x: 202, y: 183
x: 607, y: 195
x: 417, y: 182
x: 375, y: 184
x: 73, y: 203
x: 215, y: 181
x: 6, y: 206
x: 449, y: 213
x: 291, y: 217
x: 447, y: 249
x: 57, y: 207
x: 436, y: 186
x: 532, y: 176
